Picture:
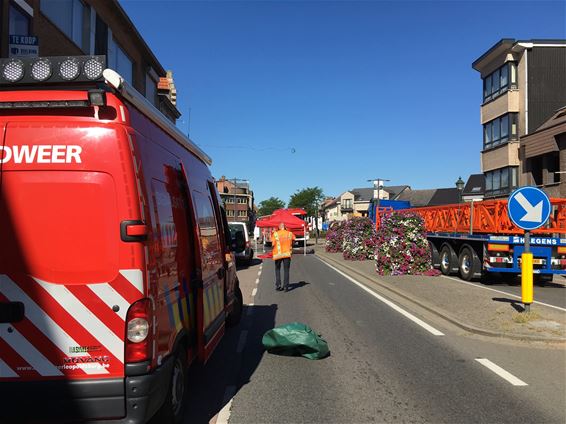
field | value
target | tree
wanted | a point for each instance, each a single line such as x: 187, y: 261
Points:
x: 309, y: 199
x: 266, y: 207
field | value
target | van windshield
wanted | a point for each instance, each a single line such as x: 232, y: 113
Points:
x: 62, y: 226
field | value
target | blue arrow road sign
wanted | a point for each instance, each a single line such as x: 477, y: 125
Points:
x: 528, y: 208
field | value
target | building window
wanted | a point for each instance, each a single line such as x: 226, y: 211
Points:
x: 229, y: 200
x: 71, y: 17
x: 242, y: 200
x: 151, y: 92
x: 500, y: 130
x: 120, y: 61
x: 19, y: 23
x: 499, y: 81
x: 100, y: 37
x: 230, y: 212
x: 242, y: 214
x: 347, y: 204
x: 500, y: 181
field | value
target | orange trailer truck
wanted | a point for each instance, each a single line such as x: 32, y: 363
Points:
x: 477, y: 238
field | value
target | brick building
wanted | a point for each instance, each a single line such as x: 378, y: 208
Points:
x: 238, y: 200
x: 87, y: 27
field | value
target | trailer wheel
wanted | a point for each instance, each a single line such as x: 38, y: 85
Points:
x: 434, y: 255
x: 542, y: 279
x: 446, y: 259
x: 467, y: 263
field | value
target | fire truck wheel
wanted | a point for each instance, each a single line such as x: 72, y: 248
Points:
x: 445, y: 259
x: 234, y: 317
x: 173, y: 409
x: 466, y: 263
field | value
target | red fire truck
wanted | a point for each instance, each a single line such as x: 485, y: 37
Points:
x: 116, y: 270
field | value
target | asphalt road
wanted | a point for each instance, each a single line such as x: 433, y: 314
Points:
x: 383, y: 367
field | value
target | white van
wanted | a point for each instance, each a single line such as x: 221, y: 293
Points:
x: 247, y: 253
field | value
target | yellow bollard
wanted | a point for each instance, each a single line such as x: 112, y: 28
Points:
x: 527, y: 280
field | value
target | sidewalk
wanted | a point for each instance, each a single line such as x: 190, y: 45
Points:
x: 471, y: 308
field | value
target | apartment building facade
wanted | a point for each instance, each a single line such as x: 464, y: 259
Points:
x: 523, y: 86
x: 238, y: 200
x: 87, y: 27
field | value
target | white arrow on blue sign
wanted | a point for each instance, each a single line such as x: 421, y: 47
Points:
x: 529, y: 208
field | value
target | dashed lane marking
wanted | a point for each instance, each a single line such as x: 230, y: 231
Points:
x: 257, y: 281
x: 242, y: 341
x: 503, y: 292
x: 392, y: 305
x: 224, y: 414
x: 254, y: 291
x: 501, y: 372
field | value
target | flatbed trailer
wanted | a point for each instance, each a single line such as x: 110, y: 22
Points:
x: 476, y: 238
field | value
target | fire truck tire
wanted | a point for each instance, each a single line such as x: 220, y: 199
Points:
x: 446, y: 259
x: 235, y: 315
x: 173, y: 409
x: 468, y: 263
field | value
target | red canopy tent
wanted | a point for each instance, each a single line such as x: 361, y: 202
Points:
x: 291, y: 223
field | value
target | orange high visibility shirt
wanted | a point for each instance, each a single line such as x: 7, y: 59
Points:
x: 282, y: 242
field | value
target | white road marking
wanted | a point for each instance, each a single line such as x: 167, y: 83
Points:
x: 259, y: 273
x: 224, y: 414
x: 254, y: 291
x: 392, y: 305
x: 242, y: 341
x: 502, y: 292
x: 501, y: 372
x: 250, y: 309
x: 257, y: 281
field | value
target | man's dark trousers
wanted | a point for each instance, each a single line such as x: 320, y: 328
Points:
x: 286, y: 265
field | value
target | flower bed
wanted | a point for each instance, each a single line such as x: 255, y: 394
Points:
x: 402, y: 246
x: 359, y: 239
x: 334, y: 237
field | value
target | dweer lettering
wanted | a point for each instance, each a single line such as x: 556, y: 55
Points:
x: 41, y: 153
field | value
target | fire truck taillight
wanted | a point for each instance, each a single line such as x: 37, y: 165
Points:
x: 138, y: 329
x: 138, y: 332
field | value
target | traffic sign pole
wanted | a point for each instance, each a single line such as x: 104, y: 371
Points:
x: 528, y: 208
x: 527, y: 274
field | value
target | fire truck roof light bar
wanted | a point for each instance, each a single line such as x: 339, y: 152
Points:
x: 52, y: 69
x: 130, y: 94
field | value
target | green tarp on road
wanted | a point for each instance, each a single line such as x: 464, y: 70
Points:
x: 295, y: 339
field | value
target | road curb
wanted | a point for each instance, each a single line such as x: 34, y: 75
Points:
x: 439, y: 312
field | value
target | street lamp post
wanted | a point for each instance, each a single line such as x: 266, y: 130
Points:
x: 377, y: 186
x: 460, y: 186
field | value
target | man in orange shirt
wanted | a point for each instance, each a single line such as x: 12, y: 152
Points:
x: 282, y: 242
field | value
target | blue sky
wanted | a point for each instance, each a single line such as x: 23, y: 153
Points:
x: 295, y: 94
